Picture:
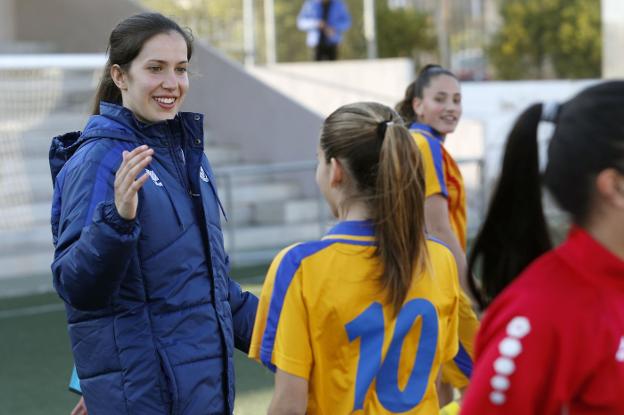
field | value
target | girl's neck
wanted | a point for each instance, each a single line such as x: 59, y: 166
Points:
x: 608, y: 232
x: 355, y: 211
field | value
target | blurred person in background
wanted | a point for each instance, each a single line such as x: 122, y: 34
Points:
x: 432, y: 108
x: 552, y: 338
x: 139, y: 260
x: 324, y: 21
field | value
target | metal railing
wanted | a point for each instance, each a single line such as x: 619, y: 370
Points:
x: 227, y: 176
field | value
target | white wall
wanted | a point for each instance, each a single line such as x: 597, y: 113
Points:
x: 324, y: 86
x: 495, y: 105
x: 612, y: 38
x: 7, y: 19
x: 490, y: 108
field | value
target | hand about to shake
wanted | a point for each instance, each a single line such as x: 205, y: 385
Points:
x: 127, y: 185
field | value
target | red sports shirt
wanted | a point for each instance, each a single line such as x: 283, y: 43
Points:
x: 553, y: 341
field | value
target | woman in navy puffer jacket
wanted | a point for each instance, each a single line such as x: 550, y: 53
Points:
x: 139, y: 260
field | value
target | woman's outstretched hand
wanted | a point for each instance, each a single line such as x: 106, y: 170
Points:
x: 127, y: 184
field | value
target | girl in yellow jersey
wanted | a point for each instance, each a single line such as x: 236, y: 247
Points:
x: 432, y: 108
x: 362, y: 320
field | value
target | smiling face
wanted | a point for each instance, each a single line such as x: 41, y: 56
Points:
x: 155, y: 86
x: 440, y: 107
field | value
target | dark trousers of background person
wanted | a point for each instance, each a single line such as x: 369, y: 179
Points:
x: 326, y: 52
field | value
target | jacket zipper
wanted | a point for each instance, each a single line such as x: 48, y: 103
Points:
x: 181, y: 176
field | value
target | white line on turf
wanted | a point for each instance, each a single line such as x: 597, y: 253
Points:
x: 31, y: 311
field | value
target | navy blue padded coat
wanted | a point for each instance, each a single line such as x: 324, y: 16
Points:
x: 153, y: 316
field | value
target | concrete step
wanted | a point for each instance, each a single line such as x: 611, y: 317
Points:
x: 37, y: 163
x: 35, y: 140
x: 25, y: 240
x: 262, y: 237
x: 26, y: 47
x: 37, y: 188
x: 38, y: 239
x: 27, y: 215
x: 268, y: 213
x: 221, y: 155
x: 28, y: 252
x: 25, y: 265
x: 289, y: 211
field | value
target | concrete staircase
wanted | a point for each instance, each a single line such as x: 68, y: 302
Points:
x: 267, y: 211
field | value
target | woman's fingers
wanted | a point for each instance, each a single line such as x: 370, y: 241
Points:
x: 130, y: 160
x: 138, y: 166
x: 127, y: 184
x: 135, y: 186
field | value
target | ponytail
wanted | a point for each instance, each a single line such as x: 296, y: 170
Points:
x: 399, y: 213
x: 514, y: 232
x: 383, y: 159
x: 405, y: 107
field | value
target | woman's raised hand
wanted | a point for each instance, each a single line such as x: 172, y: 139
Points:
x: 127, y: 184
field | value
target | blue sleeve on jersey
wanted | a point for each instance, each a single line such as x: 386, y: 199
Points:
x: 283, y: 277
x: 436, y: 154
x: 463, y: 361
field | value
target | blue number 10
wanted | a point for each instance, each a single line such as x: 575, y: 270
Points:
x: 369, y: 327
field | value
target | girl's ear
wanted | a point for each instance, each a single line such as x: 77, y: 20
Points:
x: 610, y: 184
x: 119, y: 77
x: 417, y: 106
x: 336, y: 172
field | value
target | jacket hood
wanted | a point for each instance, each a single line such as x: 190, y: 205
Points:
x: 65, y: 145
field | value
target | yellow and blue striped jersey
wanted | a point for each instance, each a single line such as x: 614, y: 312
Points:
x: 324, y: 317
x: 442, y: 176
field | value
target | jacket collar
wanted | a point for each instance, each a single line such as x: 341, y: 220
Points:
x: 582, y: 252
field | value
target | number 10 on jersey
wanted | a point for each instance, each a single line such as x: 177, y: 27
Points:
x: 370, y: 328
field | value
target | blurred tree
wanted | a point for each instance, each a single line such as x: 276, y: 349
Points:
x: 403, y: 32
x: 548, y: 38
x: 218, y: 22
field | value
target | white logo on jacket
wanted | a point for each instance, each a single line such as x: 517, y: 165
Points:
x: 203, y: 175
x: 504, y: 366
x: 154, y: 178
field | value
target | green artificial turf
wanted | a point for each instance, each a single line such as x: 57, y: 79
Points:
x: 35, y: 358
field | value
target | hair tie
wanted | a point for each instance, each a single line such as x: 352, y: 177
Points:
x: 382, y: 127
x: 550, y: 114
x: 550, y: 111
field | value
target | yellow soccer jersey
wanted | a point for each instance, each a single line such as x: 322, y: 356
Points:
x: 323, y: 317
x: 442, y: 176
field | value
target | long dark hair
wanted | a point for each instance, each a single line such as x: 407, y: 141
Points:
x: 383, y: 159
x: 588, y: 138
x: 125, y: 43
x: 416, y: 88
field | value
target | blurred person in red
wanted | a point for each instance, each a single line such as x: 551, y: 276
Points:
x: 552, y: 339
